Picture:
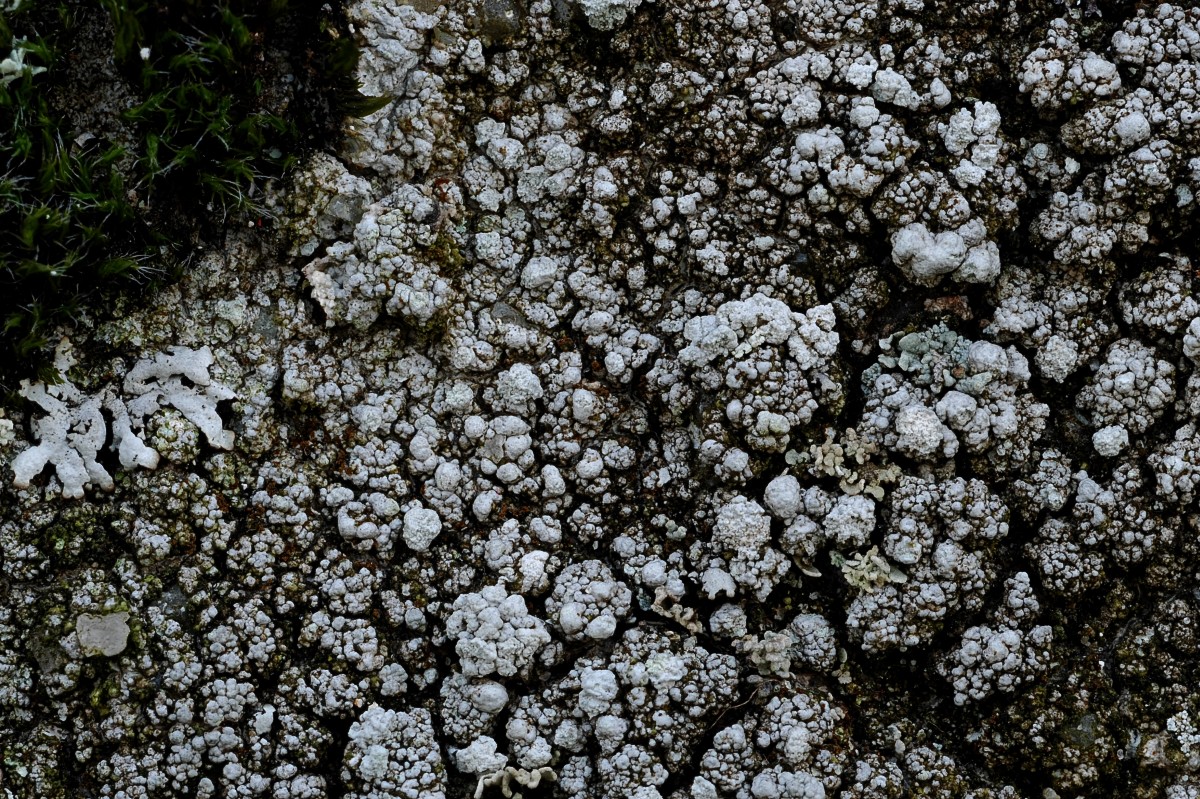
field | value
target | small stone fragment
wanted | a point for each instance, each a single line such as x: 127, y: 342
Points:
x: 106, y: 636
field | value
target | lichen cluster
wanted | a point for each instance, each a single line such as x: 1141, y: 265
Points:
x: 666, y: 400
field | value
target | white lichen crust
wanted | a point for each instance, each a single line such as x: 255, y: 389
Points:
x: 652, y: 400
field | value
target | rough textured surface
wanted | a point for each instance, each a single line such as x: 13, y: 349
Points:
x: 666, y: 400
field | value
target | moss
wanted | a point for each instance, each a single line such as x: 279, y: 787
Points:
x: 65, y: 222
x: 103, y: 693
x: 446, y: 253
x: 78, y: 536
x: 141, y: 128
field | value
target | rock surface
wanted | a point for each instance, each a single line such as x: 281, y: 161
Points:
x: 668, y: 400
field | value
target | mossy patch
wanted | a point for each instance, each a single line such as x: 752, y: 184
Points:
x: 133, y: 131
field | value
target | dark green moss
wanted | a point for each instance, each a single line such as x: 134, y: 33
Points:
x: 140, y: 130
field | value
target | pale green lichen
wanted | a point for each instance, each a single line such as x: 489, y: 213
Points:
x: 867, y: 571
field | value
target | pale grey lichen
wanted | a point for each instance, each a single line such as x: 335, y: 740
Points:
x: 657, y: 400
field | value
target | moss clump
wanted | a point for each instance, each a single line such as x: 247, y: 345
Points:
x: 133, y: 130
x: 79, y: 535
x: 66, y: 224
x: 447, y: 254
